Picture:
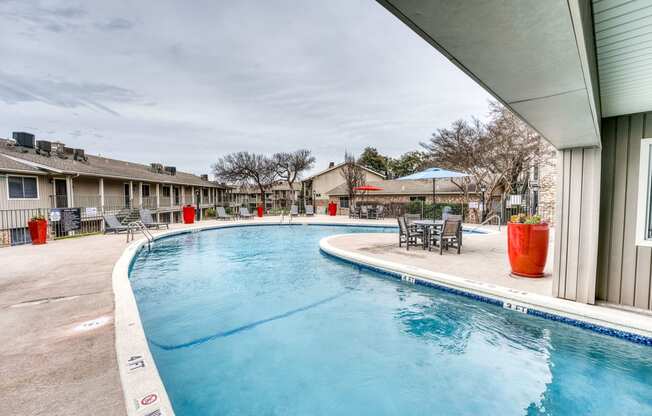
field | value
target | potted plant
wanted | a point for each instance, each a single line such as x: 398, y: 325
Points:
x: 38, y: 229
x: 527, y: 245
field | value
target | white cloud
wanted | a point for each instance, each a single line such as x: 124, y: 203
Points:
x: 187, y: 82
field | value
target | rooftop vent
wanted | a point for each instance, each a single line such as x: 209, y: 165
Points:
x: 24, y: 139
x: 172, y: 170
x: 156, y: 167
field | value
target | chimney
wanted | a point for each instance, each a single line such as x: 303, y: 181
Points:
x: 331, y: 165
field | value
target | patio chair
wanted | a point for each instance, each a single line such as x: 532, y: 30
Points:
x: 244, y: 213
x: 380, y: 212
x: 364, y: 212
x: 409, y: 220
x: 148, y: 221
x: 454, y: 217
x: 449, y: 236
x: 294, y: 211
x: 409, y: 236
x: 310, y: 210
x: 221, y: 214
x: 113, y: 225
x: 354, y: 212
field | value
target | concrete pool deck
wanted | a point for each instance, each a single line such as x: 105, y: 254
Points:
x: 483, y: 258
x: 53, y: 364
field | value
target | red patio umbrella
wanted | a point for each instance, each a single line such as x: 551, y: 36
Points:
x: 368, y: 188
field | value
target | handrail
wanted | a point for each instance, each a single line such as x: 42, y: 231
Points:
x: 491, y: 217
x: 139, y: 226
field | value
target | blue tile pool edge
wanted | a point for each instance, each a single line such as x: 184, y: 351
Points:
x: 600, y: 329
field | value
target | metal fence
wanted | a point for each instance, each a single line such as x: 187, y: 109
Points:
x: 14, y: 223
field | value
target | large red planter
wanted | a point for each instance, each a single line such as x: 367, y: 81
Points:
x: 527, y: 246
x: 332, y: 209
x: 38, y: 231
x: 260, y: 211
x: 188, y: 214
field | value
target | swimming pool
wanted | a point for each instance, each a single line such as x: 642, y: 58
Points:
x: 255, y: 320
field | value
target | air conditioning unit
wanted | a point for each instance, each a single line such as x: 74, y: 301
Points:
x: 79, y: 155
x: 156, y: 167
x: 44, y: 147
x: 204, y: 177
x: 172, y: 170
x: 24, y: 139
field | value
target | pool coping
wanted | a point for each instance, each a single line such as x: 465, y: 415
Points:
x: 621, y: 324
x: 139, y: 375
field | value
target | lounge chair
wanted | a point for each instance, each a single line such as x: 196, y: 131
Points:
x: 244, y: 213
x: 221, y: 214
x: 294, y: 211
x: 449, y: 236
x: 146, y: 218
x: 310, y: 210
x: 113, y: 225
x: 408, y: 235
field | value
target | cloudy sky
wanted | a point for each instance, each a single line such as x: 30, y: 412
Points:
x: 184, y: 82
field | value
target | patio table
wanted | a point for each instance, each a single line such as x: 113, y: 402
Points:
x: 428, y: 226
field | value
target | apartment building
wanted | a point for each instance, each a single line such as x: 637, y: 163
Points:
x: 40, y: 175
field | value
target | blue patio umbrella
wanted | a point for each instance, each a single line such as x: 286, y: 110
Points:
x: 434, y: 174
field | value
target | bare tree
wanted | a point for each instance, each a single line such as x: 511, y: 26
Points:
x: 353, y: 175
x: 246, y: 169
x: 497, y: 154
x: 290, y: 166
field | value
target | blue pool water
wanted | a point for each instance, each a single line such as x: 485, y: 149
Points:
x: 257, y: 321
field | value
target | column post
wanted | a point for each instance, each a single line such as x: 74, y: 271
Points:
x: 577, y: 217
x: 101, y: 194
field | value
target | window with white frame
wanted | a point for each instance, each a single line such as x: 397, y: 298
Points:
x: 22, y: 187
x: 644, y: 212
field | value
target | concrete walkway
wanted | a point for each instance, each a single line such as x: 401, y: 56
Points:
x: 49, y: 366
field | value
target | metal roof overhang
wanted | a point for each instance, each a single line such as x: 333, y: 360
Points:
x: 536, y: 57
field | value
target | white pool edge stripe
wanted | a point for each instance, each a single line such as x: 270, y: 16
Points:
x: 598, y: 315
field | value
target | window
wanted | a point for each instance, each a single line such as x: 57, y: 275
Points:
x: 344, y: 202
x: 205, y: 190
x: 22, y: 187
x: 166, y: 191
x: 644, y: 212
x: 145, y: 190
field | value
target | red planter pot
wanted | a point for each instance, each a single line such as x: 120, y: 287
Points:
x: 260, y: 211
x: 527, y: 246
x: 188, y: 214
x: 38, y: 231
x: 332, y: 209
